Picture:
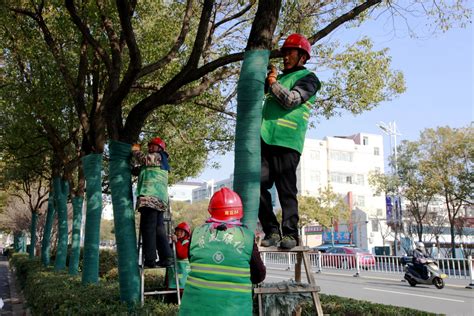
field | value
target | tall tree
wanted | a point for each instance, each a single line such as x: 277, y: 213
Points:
x: 118, y: 69
x: 448, y: 162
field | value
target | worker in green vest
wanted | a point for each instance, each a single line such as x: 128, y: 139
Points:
x: 152, y: 201
x: 225, y: 262
x: 286, y: 111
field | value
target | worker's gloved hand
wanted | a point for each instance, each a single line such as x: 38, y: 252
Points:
x: 272, y: 74
x: 135, y: 147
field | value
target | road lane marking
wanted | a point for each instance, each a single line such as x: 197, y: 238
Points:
x: 410, y: 294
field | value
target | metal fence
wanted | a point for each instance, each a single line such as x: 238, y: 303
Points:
x: 454, y: 268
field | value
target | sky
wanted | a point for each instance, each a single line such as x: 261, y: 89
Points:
x: 438, y: 71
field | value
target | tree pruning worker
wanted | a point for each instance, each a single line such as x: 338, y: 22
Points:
x: 152, y: 201
x: 286, y: 111
x: 224, y: 262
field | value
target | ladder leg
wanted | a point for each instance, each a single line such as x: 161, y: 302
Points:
x: 309, y: 275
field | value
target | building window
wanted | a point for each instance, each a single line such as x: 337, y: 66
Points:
x: 375, y: 225
x: 376, y: 151
x: 340, y: 155
x: 339, y: 177
x: 359, y: 200
x: 314, y: 155
x: 314, y: 177
x: 379, y: 212
x: 365, y: 140
x: 359, y: 179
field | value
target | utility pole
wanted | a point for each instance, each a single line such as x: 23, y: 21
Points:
x: 391, y: 130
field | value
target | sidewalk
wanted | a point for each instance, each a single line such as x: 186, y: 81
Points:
x: 9, y: 292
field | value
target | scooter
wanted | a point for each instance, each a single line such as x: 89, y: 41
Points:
x: 435, y: 276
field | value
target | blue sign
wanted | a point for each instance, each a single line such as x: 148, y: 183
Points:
x: 388, y: 204
x: 339, y: 237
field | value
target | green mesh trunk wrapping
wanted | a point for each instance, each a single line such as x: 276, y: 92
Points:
x: 34, y: 222
x: 124, y: 220
x: 76, y: 235
x: 19, y: 242
x: 61, y: 189
x: 92, y: 165
x: 48, y: 226
x: 247, y: 167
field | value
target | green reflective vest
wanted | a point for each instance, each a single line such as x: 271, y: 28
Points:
x: 153, y: 181
x: 282, y: 127
x: 219, y: 281
x: 183, y: 271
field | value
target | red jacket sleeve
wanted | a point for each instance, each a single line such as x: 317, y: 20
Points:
x: 182, y: 249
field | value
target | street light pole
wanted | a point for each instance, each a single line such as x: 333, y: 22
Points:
x: 391, y: 130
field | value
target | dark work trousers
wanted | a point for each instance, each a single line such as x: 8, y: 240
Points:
x: 154, y: 235
x: 279, y: 167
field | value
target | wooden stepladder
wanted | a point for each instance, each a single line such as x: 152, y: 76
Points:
x: 311, y: 287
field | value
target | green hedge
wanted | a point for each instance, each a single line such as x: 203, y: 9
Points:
x: 50, y: 292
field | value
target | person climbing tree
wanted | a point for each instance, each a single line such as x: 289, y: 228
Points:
x: 152, y: 201
x: 286, y: 111
x: 224, y: 262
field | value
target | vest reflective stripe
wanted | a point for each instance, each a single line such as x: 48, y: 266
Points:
x: 287, y: 123
x: 214, y: 269
x: 222, y: 286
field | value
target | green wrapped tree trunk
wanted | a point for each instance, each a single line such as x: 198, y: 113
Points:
x: 60, y: 189
x: 34, y: 222
x: 76, y: 235
x: 48, y: 226
x: 92, y: 165
x: 124, y: 220
x: 250, y: 94
x: 19, y: 243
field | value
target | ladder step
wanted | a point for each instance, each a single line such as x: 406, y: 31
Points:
x: 160, y: 292
x: 276, y: 290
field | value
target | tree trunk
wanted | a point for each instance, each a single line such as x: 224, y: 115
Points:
x: 120, y: 178
x: 249, y: 112
x: 77, y: 202
x: 34, y: 222
x: 46, y: 242
x: 92, y: 165
x: 60, y: 189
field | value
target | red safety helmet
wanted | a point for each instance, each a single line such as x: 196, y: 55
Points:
x: 298, y: 41
x: 157, y: 141
x: 184, y: 226
x: 226, y: 205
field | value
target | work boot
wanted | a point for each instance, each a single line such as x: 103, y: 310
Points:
x: 288, y: 242
x: 270, y: 240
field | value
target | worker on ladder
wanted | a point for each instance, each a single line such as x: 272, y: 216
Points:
x: 224, y: 262
x: 182, y: 233
x: 152, y: 201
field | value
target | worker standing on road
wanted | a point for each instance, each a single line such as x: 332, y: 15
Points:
x: 152, y: 201
x: 224, y: 262
x: 286, y: 111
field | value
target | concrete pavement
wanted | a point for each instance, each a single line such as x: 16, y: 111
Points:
x: 13, y: 301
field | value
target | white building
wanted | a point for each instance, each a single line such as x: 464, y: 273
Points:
x: 344, y: 163
x: 183, y: 191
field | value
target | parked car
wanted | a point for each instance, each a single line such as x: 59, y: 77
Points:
x: 345, y: 257
x: 324, y: 247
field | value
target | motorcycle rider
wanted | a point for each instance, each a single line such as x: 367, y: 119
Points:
x: 419, y: 260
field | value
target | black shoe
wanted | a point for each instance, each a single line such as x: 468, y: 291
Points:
x: 288, y: 242
x: 271, y: 240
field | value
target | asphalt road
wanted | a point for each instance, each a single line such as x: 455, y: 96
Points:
x: 453, y: 299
